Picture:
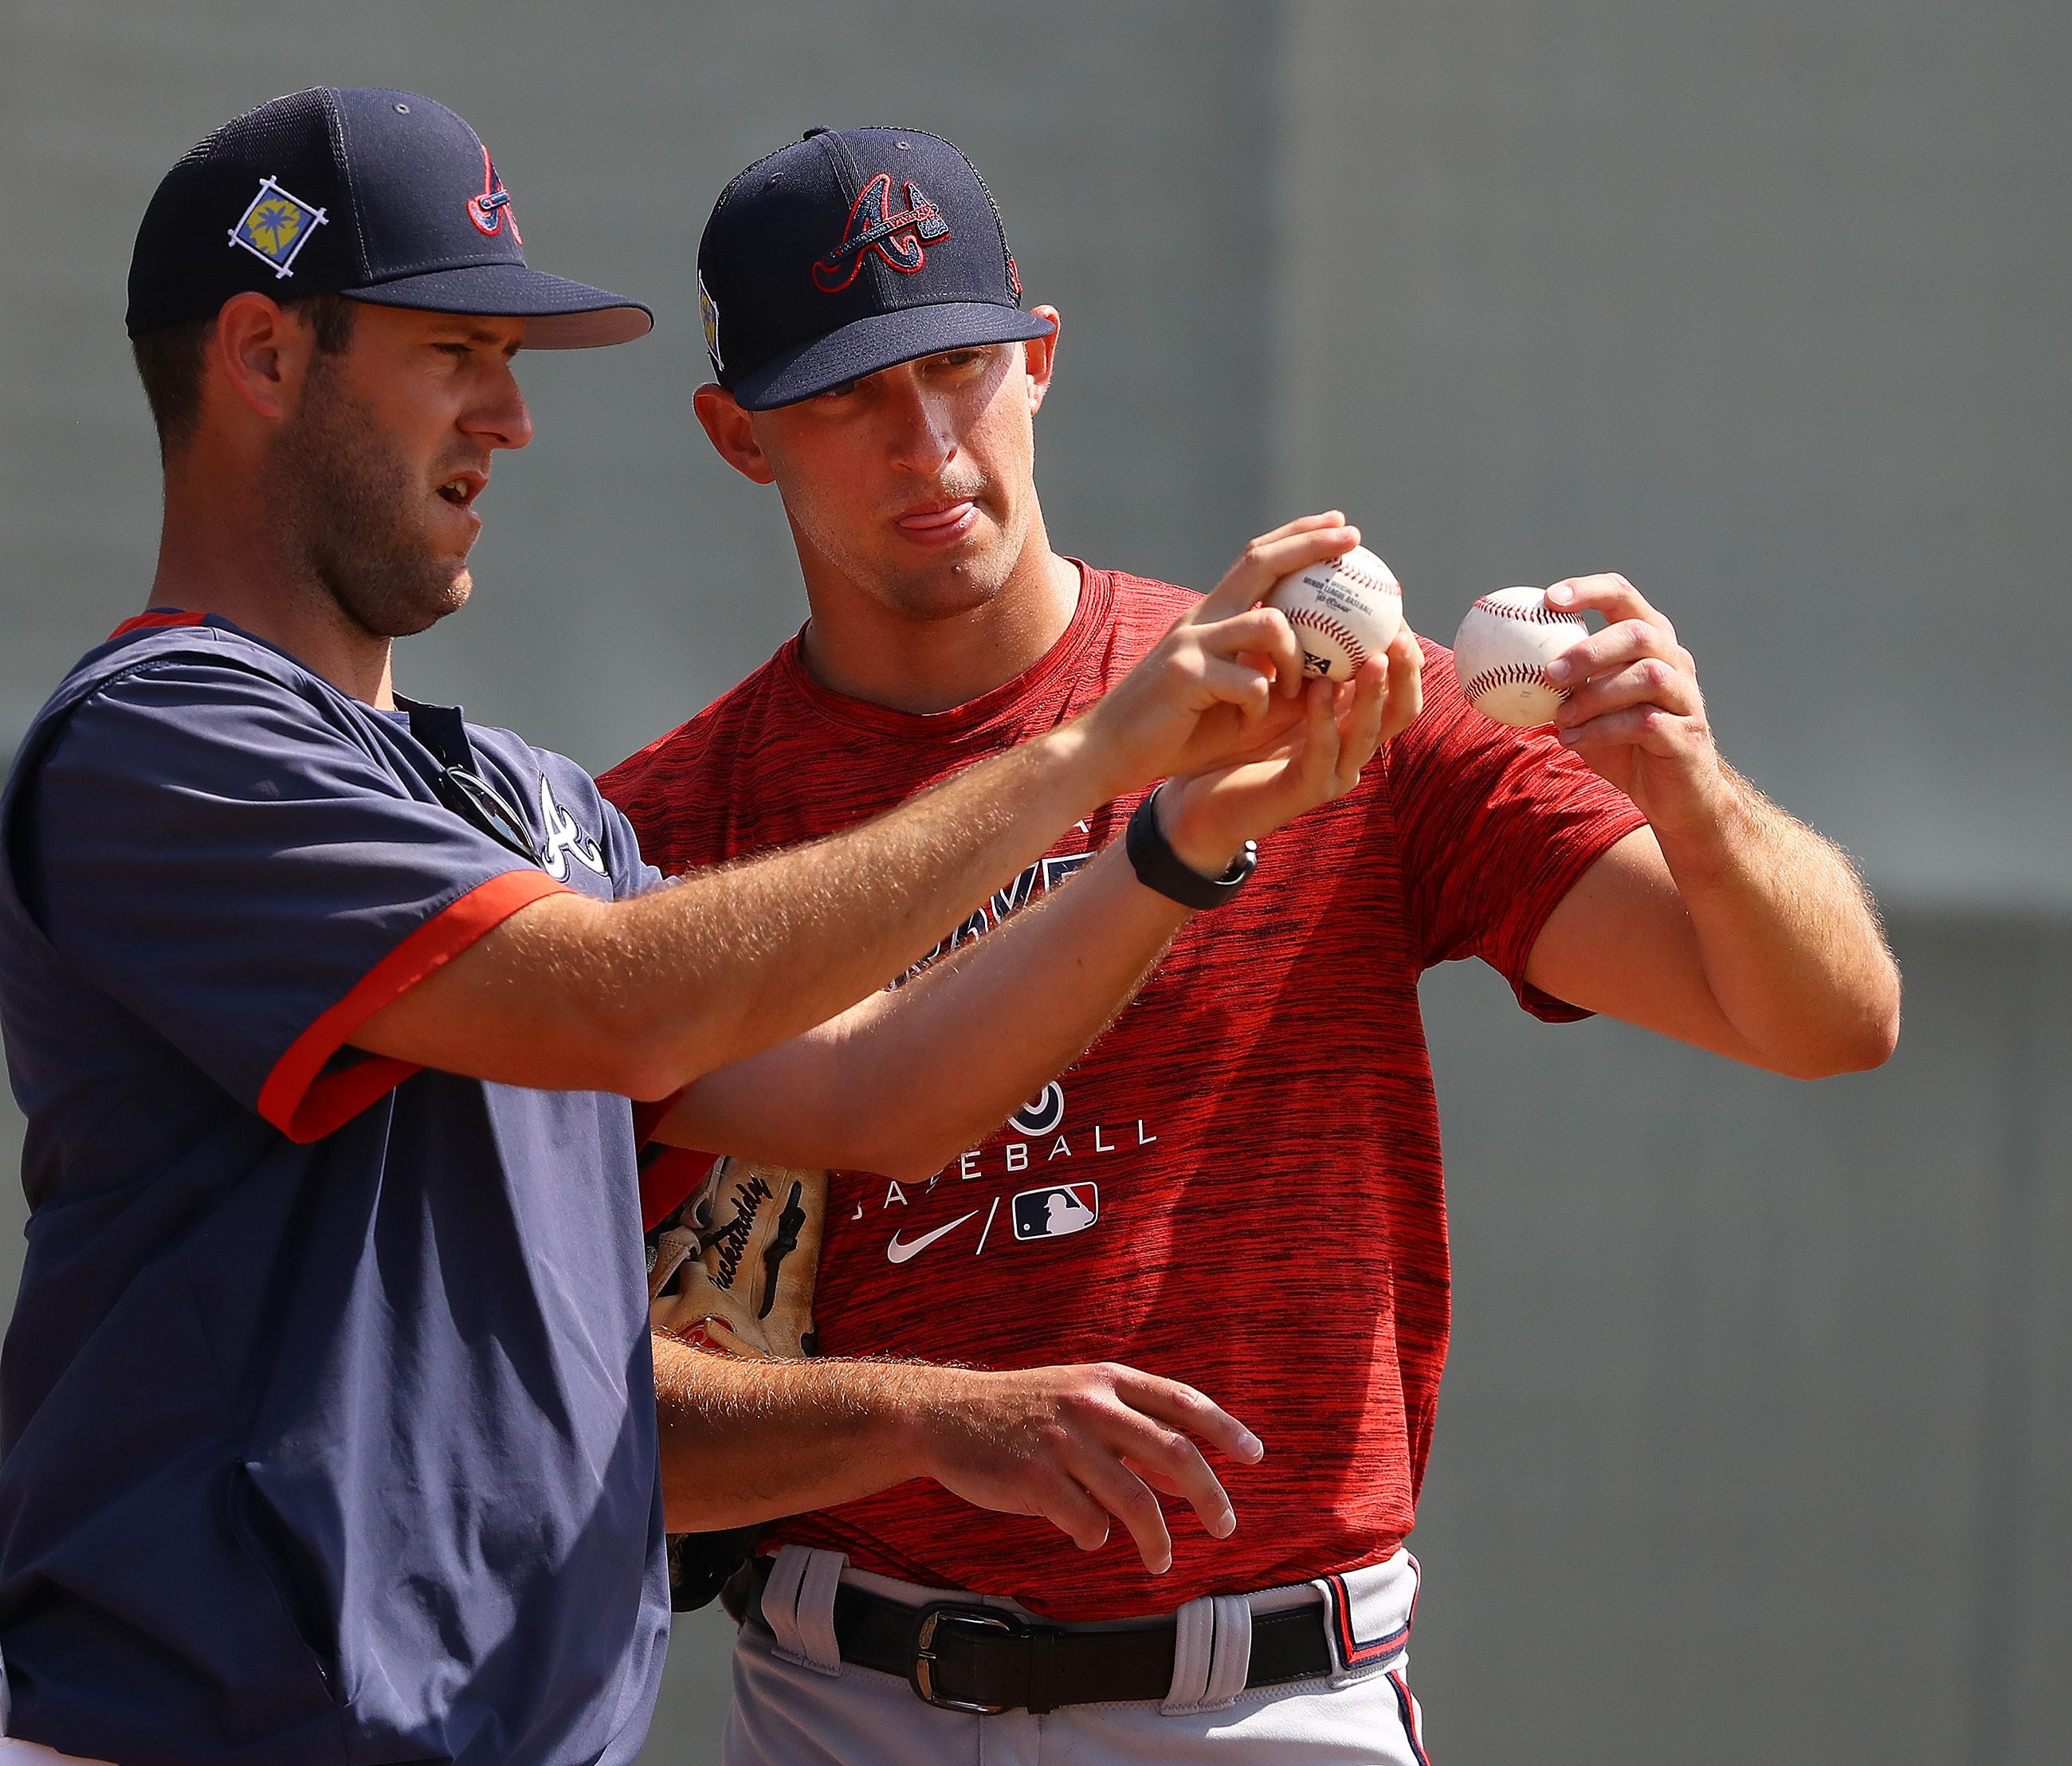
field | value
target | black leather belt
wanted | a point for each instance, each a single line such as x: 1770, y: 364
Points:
x: 960, y: 1657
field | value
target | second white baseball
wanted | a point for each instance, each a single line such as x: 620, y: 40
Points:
x: 1502, y: 653
x: 1344, y: 610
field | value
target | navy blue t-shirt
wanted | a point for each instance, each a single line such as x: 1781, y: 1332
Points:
x: 326, y: 1409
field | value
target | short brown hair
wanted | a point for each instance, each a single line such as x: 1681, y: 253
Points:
x: 169, y: 362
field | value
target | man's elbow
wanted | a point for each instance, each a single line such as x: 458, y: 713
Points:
x: 1862, y: 1044
x: 646, y: 1051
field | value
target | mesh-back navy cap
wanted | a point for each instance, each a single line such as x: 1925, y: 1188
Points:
x: 847, y: 252
x: 383, y: 196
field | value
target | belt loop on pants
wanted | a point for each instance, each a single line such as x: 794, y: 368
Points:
x: 798, y: 1607
x: 1211, y: 1654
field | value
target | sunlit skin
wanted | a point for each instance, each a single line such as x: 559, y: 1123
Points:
x: 928, y: 619
x: 417, y: 404
x: 911, y: 495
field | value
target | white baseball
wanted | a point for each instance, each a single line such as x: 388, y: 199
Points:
x: 1502, y: 651
x: 1344, y: 610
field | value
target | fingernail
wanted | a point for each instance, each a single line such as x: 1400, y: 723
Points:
x: 1226, y: 1524
x: 1251, y: 1446
x: 1558, y: 671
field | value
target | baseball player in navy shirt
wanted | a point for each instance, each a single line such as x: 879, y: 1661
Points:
x: 326, y: 1407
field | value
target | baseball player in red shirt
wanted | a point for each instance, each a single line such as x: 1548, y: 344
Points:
x: 1239, y: 1187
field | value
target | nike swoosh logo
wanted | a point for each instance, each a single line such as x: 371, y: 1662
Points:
x: 897, y: 1252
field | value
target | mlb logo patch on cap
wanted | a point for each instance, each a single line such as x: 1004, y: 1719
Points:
x: 276, y: 224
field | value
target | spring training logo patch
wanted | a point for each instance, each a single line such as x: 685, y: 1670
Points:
x: 709, y: 311
x: 491, y: 210
x: 873, y: 227
x: 276, y: 225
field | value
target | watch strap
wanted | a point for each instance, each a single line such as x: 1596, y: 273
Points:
x: 1158, y: 867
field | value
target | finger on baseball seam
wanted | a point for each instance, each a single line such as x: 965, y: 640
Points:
x: 1266, y: 560
x: 1627, y: 641
x: 1651, y: 681
x: 1610, y: 594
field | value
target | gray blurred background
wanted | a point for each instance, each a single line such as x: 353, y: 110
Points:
x: 1753, y: 1445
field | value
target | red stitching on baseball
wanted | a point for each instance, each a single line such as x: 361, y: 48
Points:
x: 1330, y: 628
x: 1509, y: 675
x: 1366, y: 579
x: 1541, y: 615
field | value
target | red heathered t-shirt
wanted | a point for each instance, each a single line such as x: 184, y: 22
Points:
x: 1240, y: 1185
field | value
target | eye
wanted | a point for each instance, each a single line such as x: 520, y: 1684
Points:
x: 841, y: 389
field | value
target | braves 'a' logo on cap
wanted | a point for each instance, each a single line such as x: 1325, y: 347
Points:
x: 491, y: 212
x: 872, y: 226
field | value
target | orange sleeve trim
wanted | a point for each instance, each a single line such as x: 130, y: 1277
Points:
x: 152, y: 621
x: 667, y: 1178
x: 303, y: 1101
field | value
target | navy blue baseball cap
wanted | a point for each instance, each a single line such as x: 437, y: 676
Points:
x: 848, y: 252
x: 381, y: 196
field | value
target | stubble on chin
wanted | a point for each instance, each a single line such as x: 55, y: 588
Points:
x: 345, y: 502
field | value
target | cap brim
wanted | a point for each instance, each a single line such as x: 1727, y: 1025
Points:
x: 882, y: 341
x: 559, y: 315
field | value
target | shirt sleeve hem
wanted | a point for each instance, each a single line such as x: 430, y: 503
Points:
x: 1605, y: 834
x: 305, y: 1103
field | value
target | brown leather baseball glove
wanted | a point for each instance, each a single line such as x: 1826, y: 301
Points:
x: 732, y: 1268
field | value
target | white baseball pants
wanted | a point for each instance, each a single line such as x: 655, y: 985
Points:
x: 796, y: 1704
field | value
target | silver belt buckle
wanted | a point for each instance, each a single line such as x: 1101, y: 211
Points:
x: 921, y: 1676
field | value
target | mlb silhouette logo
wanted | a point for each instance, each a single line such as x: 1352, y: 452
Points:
x: 1056, y: 1212
x: 276, y: 226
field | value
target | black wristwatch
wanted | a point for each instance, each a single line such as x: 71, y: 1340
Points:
x: 1158, y: 867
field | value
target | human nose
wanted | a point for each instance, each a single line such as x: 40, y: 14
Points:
x: 500, y: 417
x: 924, y: 434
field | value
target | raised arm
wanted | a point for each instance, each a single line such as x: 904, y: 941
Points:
x: 641, y: 997
x: 907, y: 1079
x: 1724, y: 922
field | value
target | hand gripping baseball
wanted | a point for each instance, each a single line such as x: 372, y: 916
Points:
x: 1083, y: 1447
x: 1633, y: 710
x: 1226, y: 679
x: 1208, y: 815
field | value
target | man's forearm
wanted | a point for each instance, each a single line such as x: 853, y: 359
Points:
x: 1789, y: 942
x: 1080, y: 1447
x: 640, y: 996
x: 907, y: 1079
x: 749, y: 1441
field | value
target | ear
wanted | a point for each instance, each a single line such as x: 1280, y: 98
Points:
x: 732, y: 431
x: 259, y: 353
x: 1040, y: 355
